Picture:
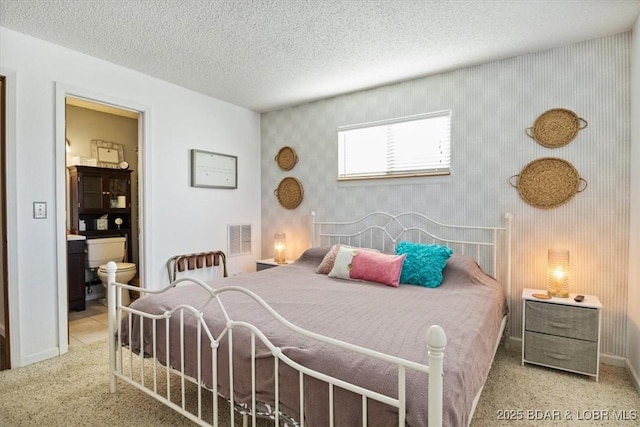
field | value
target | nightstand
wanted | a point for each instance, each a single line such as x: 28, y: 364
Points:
x: 561, y: 333
x: 263, y: 264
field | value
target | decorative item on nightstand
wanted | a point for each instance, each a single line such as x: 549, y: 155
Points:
x: 278, y: 248
x: 558, y: 273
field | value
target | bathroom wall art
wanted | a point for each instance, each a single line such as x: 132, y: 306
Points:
x: 108, y: 154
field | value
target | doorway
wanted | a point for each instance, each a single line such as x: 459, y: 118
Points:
x: 5, y: 350
x: 72, y: 103
x: 101, y: 145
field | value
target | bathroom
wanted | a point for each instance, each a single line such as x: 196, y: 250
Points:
x: 86, y: 122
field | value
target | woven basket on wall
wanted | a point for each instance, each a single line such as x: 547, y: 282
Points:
x: 557, y: 127
x: 548, y: 182
x: 286, y: 158
x: 289, y: 192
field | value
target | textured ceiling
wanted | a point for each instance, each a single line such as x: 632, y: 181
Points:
x: 269, y: 54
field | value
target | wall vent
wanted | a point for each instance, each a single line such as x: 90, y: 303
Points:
x: 239, y: 239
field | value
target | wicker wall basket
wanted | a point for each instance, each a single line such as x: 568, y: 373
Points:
x: 555, y: 128
x: 286, y: 158
x: 289, y: 193
x: 548, y: 182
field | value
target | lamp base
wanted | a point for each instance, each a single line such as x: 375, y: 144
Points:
x: 280, y: 261
x: 558, y: 294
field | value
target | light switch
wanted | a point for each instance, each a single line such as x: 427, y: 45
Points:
x: 39, y: 210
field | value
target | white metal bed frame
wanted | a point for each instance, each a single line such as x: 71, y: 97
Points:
x: 144, y: 375
x: 483, y: 247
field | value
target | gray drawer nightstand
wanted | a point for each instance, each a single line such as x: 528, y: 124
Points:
x: 561, y: 333
x: 263, y: 264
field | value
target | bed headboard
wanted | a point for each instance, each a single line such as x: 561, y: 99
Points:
x: 489, y: 246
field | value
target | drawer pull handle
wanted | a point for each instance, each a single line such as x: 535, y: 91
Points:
x: 557, y: 356
x: 559, y: 325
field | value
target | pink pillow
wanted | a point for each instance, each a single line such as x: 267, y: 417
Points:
x: 377, y: 267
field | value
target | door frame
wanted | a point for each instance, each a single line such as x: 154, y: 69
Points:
x: 12, y: 331
x: 144, y: 180
x: 3, y: 222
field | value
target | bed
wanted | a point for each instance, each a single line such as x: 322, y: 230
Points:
x: 303, y: 348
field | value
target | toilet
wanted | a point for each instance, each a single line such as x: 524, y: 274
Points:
x: 101, y: 251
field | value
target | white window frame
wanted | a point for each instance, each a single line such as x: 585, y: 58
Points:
x: 436, y: 161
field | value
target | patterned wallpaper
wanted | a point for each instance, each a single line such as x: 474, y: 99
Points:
x: 492, y: 105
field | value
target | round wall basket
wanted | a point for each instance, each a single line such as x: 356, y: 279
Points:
x: 289, y: 192
x: 286, y: 158
x: 555, y: 128
x: 548, y: 182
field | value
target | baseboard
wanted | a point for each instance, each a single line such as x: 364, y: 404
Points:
x: 514, y: 343
x: 633, y: 374
x: 610, y: 360
x: 37, y: 357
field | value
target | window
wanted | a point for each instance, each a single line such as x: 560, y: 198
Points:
x: 406, y: 146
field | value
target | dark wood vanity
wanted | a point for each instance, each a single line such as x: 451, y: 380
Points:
x: 75, y: 274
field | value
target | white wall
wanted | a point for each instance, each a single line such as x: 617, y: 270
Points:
x: 182, y: 218
x: 633, y: 307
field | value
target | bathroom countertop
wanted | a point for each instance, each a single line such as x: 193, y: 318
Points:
x: 76, y: 237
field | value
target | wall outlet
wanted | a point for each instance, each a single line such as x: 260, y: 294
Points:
x: 39, y: 210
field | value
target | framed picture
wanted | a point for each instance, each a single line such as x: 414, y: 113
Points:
x: 108, y: 154
x: 213, y: 170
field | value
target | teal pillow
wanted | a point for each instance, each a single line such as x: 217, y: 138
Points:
x: 423, y: 264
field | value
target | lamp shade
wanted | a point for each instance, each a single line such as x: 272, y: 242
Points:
x: 279, y: 246
x: 558, y: 273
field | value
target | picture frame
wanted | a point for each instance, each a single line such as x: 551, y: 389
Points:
x: 107, y: 154
x: 214, y: 170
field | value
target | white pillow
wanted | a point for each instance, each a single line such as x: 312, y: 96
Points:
x: 342, y: 265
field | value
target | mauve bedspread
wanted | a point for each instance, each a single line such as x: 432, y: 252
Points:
x: 469, y: 306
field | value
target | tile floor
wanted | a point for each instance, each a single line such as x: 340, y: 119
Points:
x: 88, y: 326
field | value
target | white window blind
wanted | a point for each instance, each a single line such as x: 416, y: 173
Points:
x: 406, y: 146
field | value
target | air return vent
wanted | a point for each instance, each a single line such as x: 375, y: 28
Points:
x: 239, y: 239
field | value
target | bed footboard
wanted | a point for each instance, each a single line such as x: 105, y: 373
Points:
x: 178, y: 387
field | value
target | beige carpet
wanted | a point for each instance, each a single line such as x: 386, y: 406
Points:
x: 541, y: 396
x: 73, y: 390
